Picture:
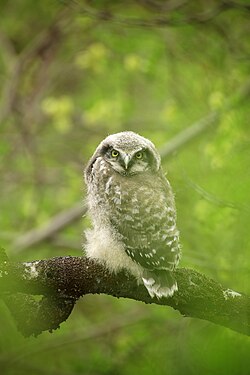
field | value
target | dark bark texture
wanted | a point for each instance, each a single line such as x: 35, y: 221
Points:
x: 60, y: 282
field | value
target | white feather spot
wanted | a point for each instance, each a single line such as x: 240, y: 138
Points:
x: 117, y: 200
x: 102, y: 167
x: 148, y: 282
x: 117, y: 189
x: 108, y: 185
x: 172, y: 229
x: 128, y: 217
x: 134, y: 200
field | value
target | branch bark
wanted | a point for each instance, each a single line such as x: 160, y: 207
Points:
x: 62, y: 281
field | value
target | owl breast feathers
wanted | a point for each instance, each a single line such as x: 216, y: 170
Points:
x: 133, y: 213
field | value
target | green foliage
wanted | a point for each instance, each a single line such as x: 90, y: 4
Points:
x: 68, y: 78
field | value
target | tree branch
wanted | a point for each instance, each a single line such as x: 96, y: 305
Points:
x: 38, y: 46
x: 205, y: 123
x: 50, y: 228
x: 63, y: 280
x: 171, y: 16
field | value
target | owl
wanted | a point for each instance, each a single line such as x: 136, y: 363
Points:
x: 132, y: 208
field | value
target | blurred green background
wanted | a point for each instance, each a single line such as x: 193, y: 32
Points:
x: 72, y: 72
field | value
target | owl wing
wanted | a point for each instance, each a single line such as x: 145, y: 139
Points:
x: 147, y: 226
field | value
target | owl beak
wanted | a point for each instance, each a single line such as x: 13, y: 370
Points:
x: 126, y: 160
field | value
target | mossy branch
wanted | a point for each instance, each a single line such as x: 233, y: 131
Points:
x: 62, y: 281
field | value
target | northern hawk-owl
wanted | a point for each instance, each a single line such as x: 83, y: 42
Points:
x: 133, y: 213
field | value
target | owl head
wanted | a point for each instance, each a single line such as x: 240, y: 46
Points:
x: 128, y: 153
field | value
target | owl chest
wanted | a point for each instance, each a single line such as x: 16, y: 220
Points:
x: 124, y: 195
x: 131, y: 203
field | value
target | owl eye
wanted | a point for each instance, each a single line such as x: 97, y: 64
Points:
x: 114, y: 154
x: 139, y: 155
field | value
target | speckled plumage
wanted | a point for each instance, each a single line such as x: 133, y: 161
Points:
x: 132, y: 208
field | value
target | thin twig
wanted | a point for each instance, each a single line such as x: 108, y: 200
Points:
x: 167, y: 19
x: 10, y: 88
x: 188, y: 134
x: 212, y: 119
x: 50, y: 228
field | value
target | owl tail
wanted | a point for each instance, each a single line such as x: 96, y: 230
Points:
x: 159, y: 283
